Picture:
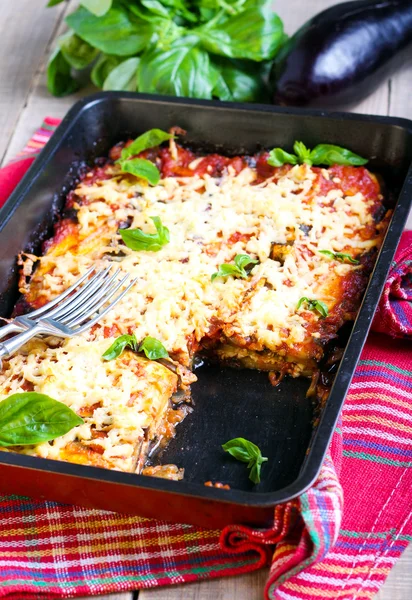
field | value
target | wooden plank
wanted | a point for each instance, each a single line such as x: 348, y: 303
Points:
x: 244, y: 587
x: 25, y: 33
x: 398, y: 586
x: 41, y: 103
x: 119, y: 596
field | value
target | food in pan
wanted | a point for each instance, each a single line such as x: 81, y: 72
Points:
x: 252, y: 261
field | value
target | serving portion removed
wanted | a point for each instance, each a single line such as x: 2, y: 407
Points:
x: 252, y: 261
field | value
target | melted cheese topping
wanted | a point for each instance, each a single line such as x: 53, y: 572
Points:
x: 281, y: 222
x: 174, y: 299
x: 118, y: 400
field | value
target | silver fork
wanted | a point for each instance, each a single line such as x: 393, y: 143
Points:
x: 77, y: 313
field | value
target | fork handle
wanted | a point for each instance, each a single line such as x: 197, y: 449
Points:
x: 9, y: 328
x: 10, y: 346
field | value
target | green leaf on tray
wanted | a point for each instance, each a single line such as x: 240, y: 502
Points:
x: 327, y: 154
x: 339, y: 256
x: 136, y: 239
x: 32, y: 418
x: 313, y: 305
x: 247, y: 452
x: 322, y: 154
x: 238, y: 269
x: 149, y: 139
x: 153, y: 349
x: 142, y: 168
x: 120, y: 344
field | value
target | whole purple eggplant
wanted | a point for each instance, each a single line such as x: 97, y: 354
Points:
x: 342, y: 54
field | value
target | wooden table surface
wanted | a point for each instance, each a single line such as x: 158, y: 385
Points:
x: 27, y: 33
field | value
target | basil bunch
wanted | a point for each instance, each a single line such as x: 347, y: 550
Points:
x: 322, y: 154
x: 204, y: 49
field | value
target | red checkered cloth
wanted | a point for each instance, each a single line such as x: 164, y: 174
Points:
x: 48, y: 550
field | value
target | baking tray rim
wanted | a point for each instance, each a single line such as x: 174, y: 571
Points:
x: 324, y: 431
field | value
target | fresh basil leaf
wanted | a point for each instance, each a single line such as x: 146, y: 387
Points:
x: 238, y: 269
x: 314, y: 305
x: 120, y: 344
x: 59, y: 79
x: 327, y: 154
x: 102, y: 69
x: 238, y: 81
x: 303, y: 154
x: 255, y: 33
x: 136, y: 239
x: 182, y: 69
x: 153, y: 349
x: 32, y: 418
x: 226, y: 270
x: 123, y: 77
x: 97, y: 7
x: 112, y: 33
x: 149, y: 139
x: 339, y: 256
x: 247, y: 452
x: 78, y: 53
x: 243, y: 260
x: 156, y: 7
x: 279, y: 157
x: 142, y: 168
x: 54, y: 2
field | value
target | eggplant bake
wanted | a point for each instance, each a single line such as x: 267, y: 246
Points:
x: 251, y: 265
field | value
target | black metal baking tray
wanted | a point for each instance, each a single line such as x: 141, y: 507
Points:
x: 228, y: 403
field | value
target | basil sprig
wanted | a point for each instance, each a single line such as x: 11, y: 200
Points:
x: 136, y: 239
x: 120, y: 344
x: 31, y: 418
x: 152, y: 348
x: 322, y: 154
x: 141, y: 167
x: 314, y: 305
x: 238, y: 269
x: 341, y: 256
x: 247, y: 452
